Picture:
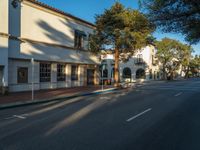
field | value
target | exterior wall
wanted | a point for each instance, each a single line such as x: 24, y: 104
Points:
x: 55, y: 29
x: 30, y: 22
x: 147, y: 53
x: 14, y: 86
x: 45, y: 35
x: 51, y: 53
x: 4, y: 22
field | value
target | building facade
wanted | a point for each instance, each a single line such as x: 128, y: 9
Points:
x: 142, y: 66
x: 44, y: 46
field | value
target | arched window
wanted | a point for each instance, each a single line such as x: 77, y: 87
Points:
x: 140, y: 74
x: 127, y: 73
x: 105, y: 73
x: 105, y: 70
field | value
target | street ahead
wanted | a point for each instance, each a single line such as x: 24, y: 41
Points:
x: 155, y: 116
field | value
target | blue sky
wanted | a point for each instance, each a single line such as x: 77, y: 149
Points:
x: 87, y: 9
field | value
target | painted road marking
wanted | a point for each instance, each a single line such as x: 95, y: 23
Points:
x: 178, y: 94
x: 23, y: 116
x: 138, y: 115
x: 20, y: 117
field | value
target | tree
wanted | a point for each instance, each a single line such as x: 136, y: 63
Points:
x: 181, y: 16
x: 194, y: 66
x: 121, y: 30
x: 172, y: 54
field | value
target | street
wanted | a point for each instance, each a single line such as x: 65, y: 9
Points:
x: 151, y: 116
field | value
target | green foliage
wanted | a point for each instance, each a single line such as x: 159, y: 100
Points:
x: 181, y: 16
x: 195, y: 65
x: 118, y: 27
x: 172, y: 54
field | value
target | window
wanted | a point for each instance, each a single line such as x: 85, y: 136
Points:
x: 89, y: 40
x: 150, y: 74
x: 158, y: 75
x: 78, y: 39
x: 45, y: 72
x: 139, y: 58
x: 105, y: 73
x: 127, y: 73
x: 22, y: 75
x: 74, y: 73
x: 105, y: 70
x: 61, y: 72
x: 140, y: 74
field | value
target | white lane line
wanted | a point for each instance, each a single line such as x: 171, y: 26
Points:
x: 20, y: 117
x: 142, y: 113
x: 178, y: 94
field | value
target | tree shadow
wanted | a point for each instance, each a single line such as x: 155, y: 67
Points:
x: 93, y: 104
x: 60, y: 49
x: 57, y: 35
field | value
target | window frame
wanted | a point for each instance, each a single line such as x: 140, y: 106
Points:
x: 21, y: 81
x: 79, y: 37
x: 140, y: 58
x: 61, y: 75
x: 45, y: 72
x: 74, y: 75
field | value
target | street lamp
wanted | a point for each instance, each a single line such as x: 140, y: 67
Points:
x: 15, y: 3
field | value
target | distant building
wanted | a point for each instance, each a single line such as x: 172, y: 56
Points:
x: 139, y: 67
x: 57, y: 42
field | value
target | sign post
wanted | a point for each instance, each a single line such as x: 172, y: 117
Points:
x: 32, y: 64
x: 102, y: 68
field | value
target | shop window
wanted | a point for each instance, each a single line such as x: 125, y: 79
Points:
x: 74, y: 72
x: 45, y: 72
x: 61, y: 76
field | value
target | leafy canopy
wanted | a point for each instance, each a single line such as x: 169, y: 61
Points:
x: 181, y: 16
x: 122, y: 28
x: 172, y: 54
x: 195, y: 64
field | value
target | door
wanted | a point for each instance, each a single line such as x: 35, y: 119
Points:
x: 1, y: 76
x: 90, y: 76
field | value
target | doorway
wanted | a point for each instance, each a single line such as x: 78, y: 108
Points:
x: 90, y: 76
x: 1, y: 78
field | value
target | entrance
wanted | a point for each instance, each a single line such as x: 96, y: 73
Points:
x: 90, y: 76
x: 1, y: 78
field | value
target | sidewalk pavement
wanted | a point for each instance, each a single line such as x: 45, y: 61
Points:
x: 41, y: 96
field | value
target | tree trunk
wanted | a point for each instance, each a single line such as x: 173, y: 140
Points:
x: 164, y: 73
x: 116, y: 78
x: 171, y: 75
x: 187, y: 73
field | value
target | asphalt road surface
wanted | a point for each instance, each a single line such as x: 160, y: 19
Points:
x: 152, y: 116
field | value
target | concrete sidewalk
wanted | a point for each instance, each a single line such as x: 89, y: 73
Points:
x: 42, y: 96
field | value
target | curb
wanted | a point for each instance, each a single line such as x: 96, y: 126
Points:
x: 35, y: 102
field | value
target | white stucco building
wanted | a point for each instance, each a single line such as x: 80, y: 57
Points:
x: 57, y: 42
x: 140, y: 67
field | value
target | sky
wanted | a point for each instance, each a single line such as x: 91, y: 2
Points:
x: 87, y: 9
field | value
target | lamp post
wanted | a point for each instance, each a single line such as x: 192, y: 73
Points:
x: 32, y: 64
x: 102, y: 69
